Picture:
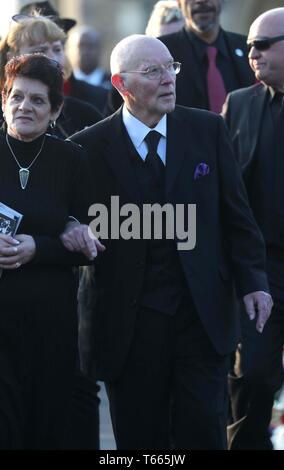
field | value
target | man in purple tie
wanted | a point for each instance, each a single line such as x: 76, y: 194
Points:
x: 214, y: 61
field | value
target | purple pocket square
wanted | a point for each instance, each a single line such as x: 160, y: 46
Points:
x: 202, y: 169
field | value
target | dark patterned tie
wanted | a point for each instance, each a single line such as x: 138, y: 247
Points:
x: 215, y: 83
x: 152, y: 159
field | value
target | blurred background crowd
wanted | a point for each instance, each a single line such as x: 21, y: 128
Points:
x: 114, y: 19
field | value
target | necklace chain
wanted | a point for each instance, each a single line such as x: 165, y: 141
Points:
x: 24, y: 172
x: 17, y: 161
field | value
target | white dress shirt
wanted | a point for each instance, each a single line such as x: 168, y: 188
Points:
x: 137, y: 132
x: 95, y: 78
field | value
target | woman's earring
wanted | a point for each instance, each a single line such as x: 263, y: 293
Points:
x: 52, y: 124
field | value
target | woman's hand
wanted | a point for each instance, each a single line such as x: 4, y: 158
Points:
x: 16, y: 251
x: 76, y: 237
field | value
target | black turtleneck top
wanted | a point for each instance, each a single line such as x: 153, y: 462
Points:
x: 38, y: 300
x: 58, y: 187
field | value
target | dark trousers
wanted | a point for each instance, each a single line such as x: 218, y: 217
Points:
x: 37, y: 358
x: 258, y: 372
x: 172, y: 392
x: 83, y: 424
x: 82, y: 427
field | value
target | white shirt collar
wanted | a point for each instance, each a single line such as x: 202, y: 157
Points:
x: 137, y: 130
x: 94, y: 78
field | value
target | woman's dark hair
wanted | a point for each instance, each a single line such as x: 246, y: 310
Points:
x: 36, y: 67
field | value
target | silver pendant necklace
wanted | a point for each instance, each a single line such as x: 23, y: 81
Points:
x: 24, y: 172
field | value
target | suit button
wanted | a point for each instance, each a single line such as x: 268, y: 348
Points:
x: 133, y: 303
x: 140, y: 264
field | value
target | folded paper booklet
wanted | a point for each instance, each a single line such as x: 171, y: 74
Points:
x: 9, y: 222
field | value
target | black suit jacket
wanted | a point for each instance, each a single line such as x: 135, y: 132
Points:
x: 190, y: 91
x: 242, y: 111
x: 95, y: 95
x: 223, y: 218
x: 76, y: 115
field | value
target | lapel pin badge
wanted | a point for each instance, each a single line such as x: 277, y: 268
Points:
x: 239, y: 52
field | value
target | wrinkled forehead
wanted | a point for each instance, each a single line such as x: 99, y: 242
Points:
x: 29, y: 85
x: 151, y: 54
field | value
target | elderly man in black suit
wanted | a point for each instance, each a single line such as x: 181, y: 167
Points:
x: 166, y: 317
x: 255, y: 117
x: 214, y: 61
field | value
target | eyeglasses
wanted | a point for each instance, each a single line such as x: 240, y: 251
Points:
x: 264, y: 43
x: 155, y: 72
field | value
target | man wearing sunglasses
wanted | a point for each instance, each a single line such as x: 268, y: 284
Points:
x: 255, y: 117
x: 214, y: 61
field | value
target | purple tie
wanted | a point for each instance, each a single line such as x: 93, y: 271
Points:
x: 215, y: 83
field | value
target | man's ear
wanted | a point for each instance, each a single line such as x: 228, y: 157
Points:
x: 119, y: 83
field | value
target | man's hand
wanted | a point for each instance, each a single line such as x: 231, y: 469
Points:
x: 258, y: 303
x: 16, y: 251
x: 76, y: 237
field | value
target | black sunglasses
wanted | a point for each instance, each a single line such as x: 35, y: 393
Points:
x: 264, y: 43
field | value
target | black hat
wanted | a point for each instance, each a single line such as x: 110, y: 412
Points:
x: 45, y: 9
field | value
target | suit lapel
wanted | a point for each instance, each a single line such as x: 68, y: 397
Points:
x: 240, y: 63
x: 256, y: 107
x: 176, y: 144
x: 190, y: 68
x: 117, y: 156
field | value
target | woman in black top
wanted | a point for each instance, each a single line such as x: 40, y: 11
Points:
x: 46, y: 180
